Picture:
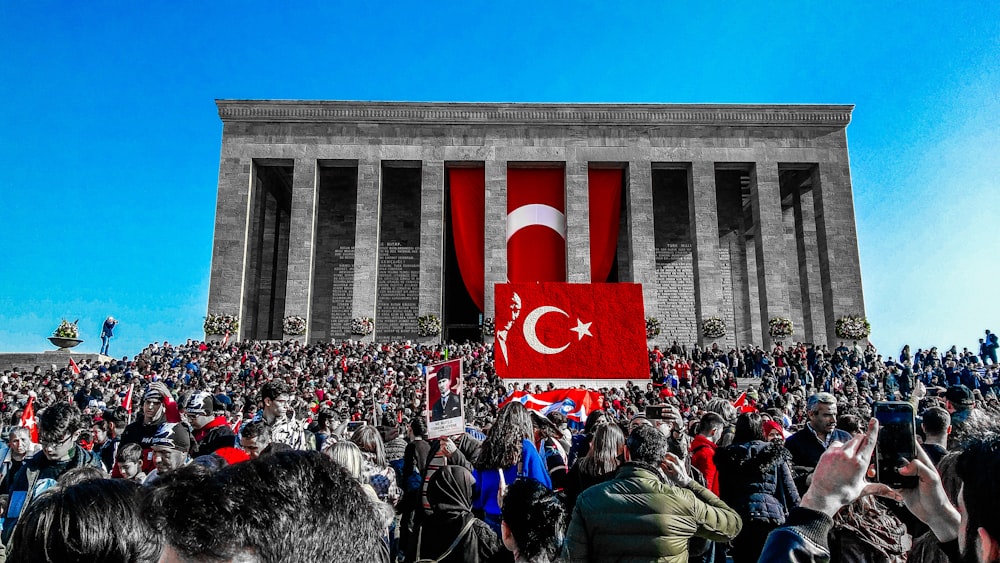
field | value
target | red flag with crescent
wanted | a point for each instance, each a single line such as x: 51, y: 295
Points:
x: 29, y: 421
x: 571, y: 331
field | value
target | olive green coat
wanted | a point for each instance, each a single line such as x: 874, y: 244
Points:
x: 637, y: 516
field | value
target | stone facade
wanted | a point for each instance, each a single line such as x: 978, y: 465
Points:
x: 337, y: 210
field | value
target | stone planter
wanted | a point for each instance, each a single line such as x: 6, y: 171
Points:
x: 64, y: 344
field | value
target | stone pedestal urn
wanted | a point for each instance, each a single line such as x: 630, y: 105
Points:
x: 65, y: 344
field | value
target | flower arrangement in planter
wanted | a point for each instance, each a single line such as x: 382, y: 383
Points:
x: 853, y: 327
x: 294, y: 325
x: 362, y: 326
x: 221, y: 324
x: 652, y: 327
x: 428, y: 325
x: 713, y: 327
x: 489, y: 327
x: 779, y: 327
x: 67, y: 329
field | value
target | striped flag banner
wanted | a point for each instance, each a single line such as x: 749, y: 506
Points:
x: 576, y: 404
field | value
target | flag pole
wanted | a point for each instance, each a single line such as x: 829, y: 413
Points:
x: 131, y: 400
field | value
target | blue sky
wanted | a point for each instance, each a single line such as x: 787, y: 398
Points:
x: 109, y: 136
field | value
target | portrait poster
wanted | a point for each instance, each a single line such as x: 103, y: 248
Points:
x: 444, y: 392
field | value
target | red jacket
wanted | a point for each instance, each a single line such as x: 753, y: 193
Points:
x: 703, y: 457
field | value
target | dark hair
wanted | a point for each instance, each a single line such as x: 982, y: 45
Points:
x: 710, y: 420
x: 256, y: 430
x: 324, y: 416
x: 275, y: 447
x: 81, y: 475
x: 117, y: 416
x: 646, y: 444
x: 295, y: 507
x: 536, y: 518
x: 368, y: 439
x: 557, y: 418
x: 749, y: 427
x: 97, y: 520
x: 978, y: 467
x: 419, y: 426
x: 274, y: 389
x: 130, y: 452
x: 502, y: 447
x: 849, y: 423
x: 593, y: 420
x: 602, y: 458
x: 936, y: 420
x: 59, y: 420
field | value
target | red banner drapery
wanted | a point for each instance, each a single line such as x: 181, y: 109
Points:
x: 468, y: 219
x: 605, y: 190
x: 536, y: 225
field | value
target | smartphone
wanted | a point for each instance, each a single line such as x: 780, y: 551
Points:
x: 897, y: 443
x: 354, y: 425
x: 658, y: 412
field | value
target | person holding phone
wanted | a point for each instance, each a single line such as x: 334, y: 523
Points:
x: 840, y: 479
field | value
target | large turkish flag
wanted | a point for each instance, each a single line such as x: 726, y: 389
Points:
x: 571, y: 331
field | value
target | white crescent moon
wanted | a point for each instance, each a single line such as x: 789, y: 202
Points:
x: 529, y: 330
x: 536, y: 214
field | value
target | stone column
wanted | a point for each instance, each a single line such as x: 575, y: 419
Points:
x: 640, y: 219
x: 836, y: 236
x: 495, y: 225
x: 793, y: 280
x: 298, y: 291
x: 769, y: 244
x: 577, y: 222
x: 366, y: 241
x: 704, y: 215
x: 228, y: 281
x: 813, y: 314
x: 431, y: 283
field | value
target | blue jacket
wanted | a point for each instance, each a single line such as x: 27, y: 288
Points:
x: 44, y: 474
x: 488, y: 480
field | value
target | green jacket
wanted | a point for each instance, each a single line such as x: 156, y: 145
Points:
x: 637, y: 516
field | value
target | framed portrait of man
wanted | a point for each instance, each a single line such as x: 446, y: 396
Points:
x: 444, y: 392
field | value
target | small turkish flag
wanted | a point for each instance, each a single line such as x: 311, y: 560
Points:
x: 74, y: 367
x: 28, y: 419
x: 127, y: 401
x: 573, y: 331
x: 742, y: 404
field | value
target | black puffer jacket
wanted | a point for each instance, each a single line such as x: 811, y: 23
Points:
x: 755, y: 480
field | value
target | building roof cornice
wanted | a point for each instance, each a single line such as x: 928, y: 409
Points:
x: 454, y: 113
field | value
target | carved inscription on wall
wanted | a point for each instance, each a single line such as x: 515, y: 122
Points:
x: 398, y: 291
x: 342, y: 291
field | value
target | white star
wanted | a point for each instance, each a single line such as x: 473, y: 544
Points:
x: 582, y: 329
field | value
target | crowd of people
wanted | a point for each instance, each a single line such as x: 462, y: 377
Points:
x: 222, y: 451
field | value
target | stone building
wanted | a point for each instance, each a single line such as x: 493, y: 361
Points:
x: 333, y: 210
